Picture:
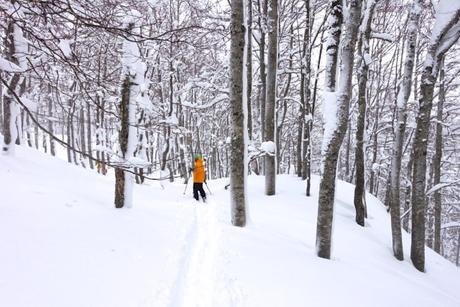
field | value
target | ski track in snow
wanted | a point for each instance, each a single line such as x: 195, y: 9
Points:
x: 199, y: 283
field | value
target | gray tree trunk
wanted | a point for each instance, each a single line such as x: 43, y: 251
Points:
x: 332, y: 45
x: 82, y: 136
x: 249, y: 69
x: 308, y: 116
x: 436, y: 50
x: 89, y: 134
x: 263, y: 7
x: 325, y: 205
x: 237, y: 163
x: 8, y: 101
x: 364, y: 50
x: 332, y: 146
x: 123, y: 140
x: 458, y: 248
x: 272, y: 60
x: 403, y: 97
x: 437, y: 161
x: 128, y: 134
x: 50, y: 122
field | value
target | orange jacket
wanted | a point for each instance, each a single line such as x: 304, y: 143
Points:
x: 199, y: 174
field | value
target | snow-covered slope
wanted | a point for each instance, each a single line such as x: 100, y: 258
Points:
x: 63, y: 244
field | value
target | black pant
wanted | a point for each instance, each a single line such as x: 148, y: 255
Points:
x: 198, y: 187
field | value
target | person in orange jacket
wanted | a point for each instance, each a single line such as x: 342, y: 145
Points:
x: 199, y: 176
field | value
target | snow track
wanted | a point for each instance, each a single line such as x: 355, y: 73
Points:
x: 199, y: 282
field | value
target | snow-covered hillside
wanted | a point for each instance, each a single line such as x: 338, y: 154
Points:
x: 63, y: 244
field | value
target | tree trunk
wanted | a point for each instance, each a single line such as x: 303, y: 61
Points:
x: 436, y: 50
x: 337, y: 130
x: 308, y: 116
x: 89, y: 134
x: 123, y: 140
x: 325, y: 205
x: 82, y: 136
x: 50, y: 122
x: 237, y: 163
x: 437, y: 162
x: 458, y: 248
x: 272, y: 61
x: 249, y: 68
x: 263, y: 8
x: 127, y: 136
x: 364, y: 50
x: 403, y: 97
x: 9, y: 105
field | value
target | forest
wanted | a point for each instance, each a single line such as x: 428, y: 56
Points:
x: 361, y: 91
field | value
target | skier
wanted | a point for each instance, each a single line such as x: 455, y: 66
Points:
x: 199, y: 176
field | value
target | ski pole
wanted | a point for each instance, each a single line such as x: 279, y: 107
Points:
x: 186, y: 184
x: 208, y: 187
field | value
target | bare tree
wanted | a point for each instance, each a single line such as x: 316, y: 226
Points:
x: 237, y: 162
x: 363, y: 71
x: 336, y: 126
x: 446, y: 32
x: 14, y: 45
x: 272, y: 61
x: 437, y: 159
x: 403, y: 96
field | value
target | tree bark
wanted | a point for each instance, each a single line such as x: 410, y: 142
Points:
x: 249, y: 68
x: 437, y: 161
x: 308, y: 116
x: 332, y: 146
x: 9, y: 114
x: 272, y: 61
x: 436, y: 50
x: 263, y: 8
x: 237, y: 161
x: 364, y: 50
x: 403, y: 97
x: 89, y: 134
x: 123, y: 135
x: 325, y: 204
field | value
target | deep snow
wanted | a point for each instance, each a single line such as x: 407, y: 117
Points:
x: 63, y: 244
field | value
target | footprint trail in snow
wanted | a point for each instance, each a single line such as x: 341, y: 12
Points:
x: 201, y: 282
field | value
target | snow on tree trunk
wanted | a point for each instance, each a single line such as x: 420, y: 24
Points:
x: 445, y: 33
x: 16, y: 48
x: 336, y: 111
x: 402, y: 98
x: 324, y: 222
x: 237, y: 140
x: 437, y: 161
x: 133, y: 80
x: 363, y: 71
x: 335, y: 20
x: 270, y: 160
x: 123, y: 135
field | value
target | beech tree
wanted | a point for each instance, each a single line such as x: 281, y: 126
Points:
x: 238, y: 127
x: 446, y: 31
x: 272, y: 62
x: 402, y: 98
x: 337, y: 106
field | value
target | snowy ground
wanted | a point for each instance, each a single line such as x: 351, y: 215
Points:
x: 63, y: 244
